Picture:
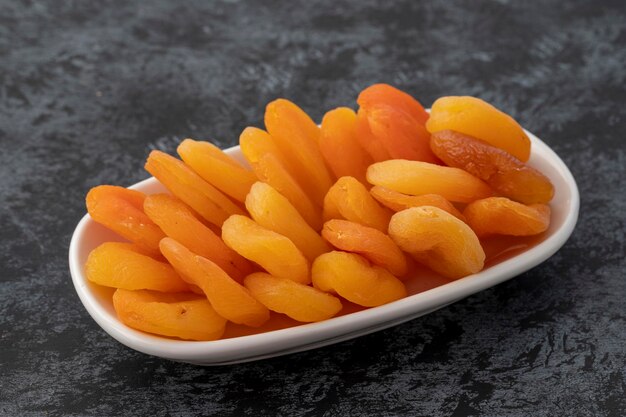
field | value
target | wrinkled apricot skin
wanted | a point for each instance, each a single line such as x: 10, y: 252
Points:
x: 300, y: 302
x: 371, y: 243
x: 229, y: 299
x: 269, y: 166
x: 503, y: 172
x: 121, y: 210
x: 297, y: 136
x: 397, y: 201
x: 273, y: 211
x: 418, y: 178
x: 185, y: 184
x: 349, y: 199
x: 439, y: 240
x: 182, y: 315
x: 122, y: 265
x: 352, y: 277
x: 340, y: 147
x: 272, y: 251
x: 501, y: 216
x: 217, y: 168
x: 475, y: 117
x: 179, y: 222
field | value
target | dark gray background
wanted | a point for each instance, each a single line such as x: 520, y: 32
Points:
x: 87, y: 89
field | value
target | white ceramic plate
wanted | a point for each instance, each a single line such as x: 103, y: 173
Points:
x: 97, y: 301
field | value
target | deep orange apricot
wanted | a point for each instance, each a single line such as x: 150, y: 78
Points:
x: 121, y: 210
x: 499, y: 215
x: 386, y: 94
x: 185, y: 184
x: 229, y: 299
x: 368, y: 140
x: 503, y: 172
x: 371, y: 243
x: 182, y: 315
x: 298, y: 301
x: 179, y: 222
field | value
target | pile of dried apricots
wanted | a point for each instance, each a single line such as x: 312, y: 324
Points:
x: 322, y: 217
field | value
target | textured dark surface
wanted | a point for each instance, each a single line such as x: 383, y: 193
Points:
x: 86, y: 90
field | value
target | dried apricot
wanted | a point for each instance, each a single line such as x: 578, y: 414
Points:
x: 368, y: 140
x: 352, y: 277
x: 268, y: 164
x: 350, y: 200
x: 274, y: 252
x: 229, y: 299
x: 179, y: 222
x: 475, y: 117
x: 217, y: 168
x: 298, y: 301
x: 439, y: 240
x: 386, y: 94
x: 417, y: 178
x: 371, y: 243
x: 185, y: 184
x: 340, y: 146
x: 397, y: 201
x: 182, y: 315
x: 121, y: 210
x: 123, y: 265
x: 272, y: 210
x: 503, y: 172
x: 499, y: 215
x: 297, y: 136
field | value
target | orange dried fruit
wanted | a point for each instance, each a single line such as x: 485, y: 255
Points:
x: 352, y: 277
x: 179, y: 222
x: 269, y: 166
x: 371, y: 243
x: 272, y: 210
x: 374, y: 147
x: 439, y: 240
x: 217, y: 168
x: 183, y: 315
x: 499, y: 215
x: 298, y: 301
x: 503, y: 172
x: 417, y: 178
x: 297, y: 136
x: 340, y: 146
x: 229, y: 299
x: 185, y: 184
x: 349, y: 199
x: 274, y: 252
x: 121, y: 210
x: 475, y: 117
x: 386, y: 94
x: 397, y: 201
x: 123, y: 265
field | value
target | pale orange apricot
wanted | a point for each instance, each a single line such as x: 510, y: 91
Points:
x: 397, y: 201
x: 298, y: 301
x: 417, y: 178
x: 182, y: 315
x: 272, y: 210
x: 217, y: 168
x: 275, y: 253
x: 352, y: 277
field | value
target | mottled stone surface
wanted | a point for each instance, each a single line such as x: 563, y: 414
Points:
x: 87, y: 89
